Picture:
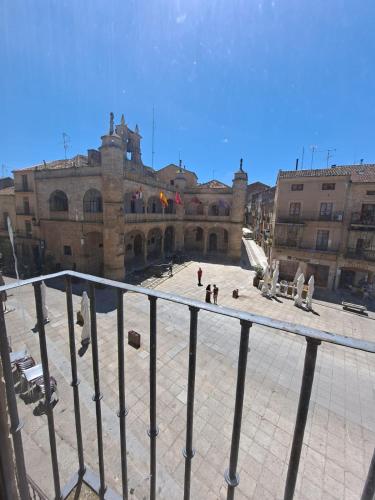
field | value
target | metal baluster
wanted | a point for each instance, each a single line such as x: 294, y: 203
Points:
x: 231, y: 476
x: 75, y: 380
x: 369, y: 489
x: 47, y: 387
x: 97, y: 396
x: 153, y: 431
x: 15, y: 423
x: 121, y: 387
x: 303, y: 409
x: 189, y: 452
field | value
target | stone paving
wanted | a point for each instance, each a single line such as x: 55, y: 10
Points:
x: 340, y: 434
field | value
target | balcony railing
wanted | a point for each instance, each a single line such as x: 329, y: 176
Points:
x: 149, y: 217
x: 210, y: 217
x: 290, y: 243
x: 311, y: 216
x: 361, y: 254
x: 22, y: 211
x: 363, y: 219
x: 245, y: 320
x: 93, y: 216
x: 23, y: 189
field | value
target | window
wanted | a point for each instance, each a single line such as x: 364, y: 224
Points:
x: 297, y: 187
x: 26, y: 206
x: 325, y: 211
x: 322, y: 240
x: 328, y: 186
x: 58, y: 202
x: 199, y: 234
x: 28, y: 229
x: 172, y: 182
x: 92, y: 201
x: 25, y: 186
x: 295, y: 208
x: 5, y: 220
x: 67, y: 250
x: 370, y: 193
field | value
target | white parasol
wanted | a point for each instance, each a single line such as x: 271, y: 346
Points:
x: 298, y: 297
x: 85, y: 311
x: 275, y: 278
x: 44, y: 306
x: 310, y: 292
x: 266, y: 281
x: 298, y: 273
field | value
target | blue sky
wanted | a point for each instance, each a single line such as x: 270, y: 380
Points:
x: 228, y: 79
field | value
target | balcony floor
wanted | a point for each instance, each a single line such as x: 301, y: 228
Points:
x: 340, y: 432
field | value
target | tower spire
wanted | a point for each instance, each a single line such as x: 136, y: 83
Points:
x: 122, y: 120
x: 111, y: 123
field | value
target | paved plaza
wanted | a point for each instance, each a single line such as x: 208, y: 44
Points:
x: 340, y: 434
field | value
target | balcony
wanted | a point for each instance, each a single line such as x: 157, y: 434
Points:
x: 209, y: 218
x: 24, y: 234
x: 240, y: 401
x: 361, y: 219
x: 148, y: 217
x: 22, y: 211
x: 361, y: 254
x: 310, y: 216
x: 93, y: 217
x: 292, y: 243
x: 22, y: 189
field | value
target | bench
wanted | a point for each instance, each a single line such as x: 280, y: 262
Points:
x: 353, y: 307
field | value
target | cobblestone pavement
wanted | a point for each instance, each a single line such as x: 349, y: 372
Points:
x: 340, y: 434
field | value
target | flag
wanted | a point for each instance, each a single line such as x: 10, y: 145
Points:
x: 177, y: 199
x: 163, y: 199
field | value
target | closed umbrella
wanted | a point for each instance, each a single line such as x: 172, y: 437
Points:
x: 310, y: 292
x: 298, y: 273
x: 85, y: 311
x: 275, y: 278
x: 298, y: 297
x: 44, y: 306
x: 266, y: 281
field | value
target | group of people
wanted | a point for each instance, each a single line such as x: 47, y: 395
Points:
x: 214, y: 292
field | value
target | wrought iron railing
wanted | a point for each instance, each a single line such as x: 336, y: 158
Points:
x: 34, y: 491
x: 365, y: 219
x: 361, y: 253
x: 313, y: 337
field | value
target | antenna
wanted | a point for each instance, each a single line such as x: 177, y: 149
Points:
x: 303, y: 155
x: 153, y: 137
x: 66, y: 141
x: 329, y: 156
x: 313, y: 150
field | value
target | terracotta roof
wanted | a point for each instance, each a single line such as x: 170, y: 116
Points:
x: 214, y: 184
x: 357, y: 173
x: 7, y: 190
x: 78, y: 161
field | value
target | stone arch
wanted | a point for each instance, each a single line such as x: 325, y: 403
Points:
x: 194, y: 239
x: 133, y: 204
x: 171, y: 207
x: 58, y: 201
x: 217, y: 240
x: 169, y: 239
x: 194, y: 208
x: 154, y: 243
x: 93, y: 253
x: 219, y: 209
x: 134, y: 248
x: 154, y: 205
x: 92, y: 201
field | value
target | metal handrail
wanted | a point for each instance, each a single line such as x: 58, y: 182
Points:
x: 257, y: 319
x: 313, y: 336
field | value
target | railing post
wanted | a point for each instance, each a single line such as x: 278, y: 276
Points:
x: 121, y: 387
x: 189, y: 452
x: 97, y: 397
x: 75, y: 381
x: 230, y: 475
x: 153, y: 430
x: 303, y: 409
x: 369, y: 489
x: 15, y: 423
x: 47, y: 386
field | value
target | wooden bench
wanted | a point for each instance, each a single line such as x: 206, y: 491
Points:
x: 354, y: 307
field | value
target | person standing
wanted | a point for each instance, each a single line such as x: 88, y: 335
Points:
x: 215, y: 293
x: 208, y: 294
x: 200, y: 272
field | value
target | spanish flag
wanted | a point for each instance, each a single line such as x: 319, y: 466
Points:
x: 163, y: 199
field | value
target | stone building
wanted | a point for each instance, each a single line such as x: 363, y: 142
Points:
x: 261, y: 209
x: 102, y: 213
x: 324, y: 220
